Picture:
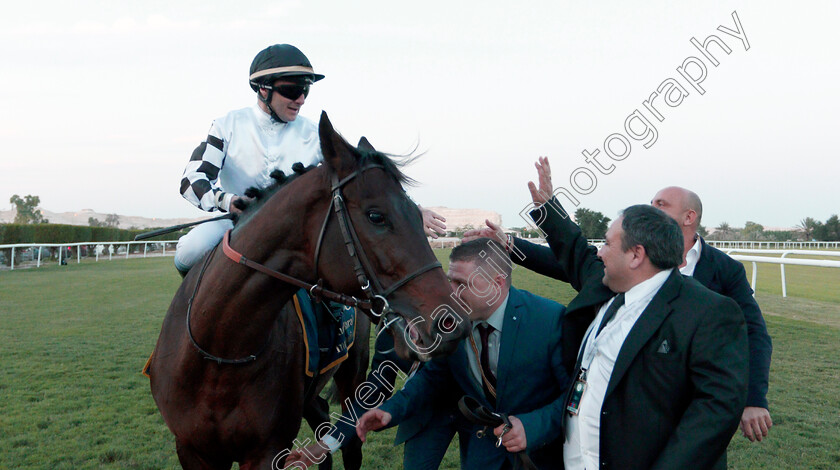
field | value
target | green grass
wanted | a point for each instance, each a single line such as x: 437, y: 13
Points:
x: 73, y: 338
x: 802, y: 281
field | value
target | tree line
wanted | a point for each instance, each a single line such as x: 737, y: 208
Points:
x: 27, y: 212
x: 592, y: 223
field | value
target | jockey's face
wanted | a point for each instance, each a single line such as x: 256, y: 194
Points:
x: 287, y: 109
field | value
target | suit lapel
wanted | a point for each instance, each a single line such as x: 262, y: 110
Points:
x: 513, y: 317
x: 646, y: 326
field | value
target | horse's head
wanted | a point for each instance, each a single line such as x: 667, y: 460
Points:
x: 389, y: 249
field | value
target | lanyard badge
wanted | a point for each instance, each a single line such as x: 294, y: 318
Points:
x: 577, y: 393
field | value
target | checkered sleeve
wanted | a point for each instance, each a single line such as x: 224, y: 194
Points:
x: 199, y: 184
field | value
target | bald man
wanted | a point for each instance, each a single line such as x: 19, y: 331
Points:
x: 720, y: 273
x: 710, y: 266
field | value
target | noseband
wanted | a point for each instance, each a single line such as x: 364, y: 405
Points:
x: 377, y: 295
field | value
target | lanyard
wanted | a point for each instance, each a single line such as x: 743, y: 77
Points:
x: 589, y: 350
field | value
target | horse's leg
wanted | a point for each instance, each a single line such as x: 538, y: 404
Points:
x: 316, y: 413
x: 191, y: 460
x: 349, y: 376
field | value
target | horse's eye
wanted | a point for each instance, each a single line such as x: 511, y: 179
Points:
x: 376, y: 218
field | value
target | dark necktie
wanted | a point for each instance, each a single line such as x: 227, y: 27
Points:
x: 484, y: 361
x: 610, y: 313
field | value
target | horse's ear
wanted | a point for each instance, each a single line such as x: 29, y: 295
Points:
x: 364, y: 144
x: 338, y: 154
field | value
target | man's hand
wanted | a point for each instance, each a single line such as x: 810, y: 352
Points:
x: 308, y: 456
x: 545, y: 191
x: 433, y: 223
x: 755, y: 423
x: 514, y: 440
x: 492, y: 231
x: 371, y: 421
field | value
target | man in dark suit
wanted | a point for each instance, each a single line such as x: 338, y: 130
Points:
x: 426, y: 435
x: 722, y: 274
x: 660, y: 374
x: 512, y: 363
x: 713, y: 268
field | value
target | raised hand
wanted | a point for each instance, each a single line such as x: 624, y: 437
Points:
x: 543, y: 194
x: 433, y: 223
x: 491, y: 231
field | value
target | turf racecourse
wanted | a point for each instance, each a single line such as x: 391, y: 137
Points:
x: 73, y: 338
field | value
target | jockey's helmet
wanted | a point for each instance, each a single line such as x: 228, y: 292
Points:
x: 279, y: 61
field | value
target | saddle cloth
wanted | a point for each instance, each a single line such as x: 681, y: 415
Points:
x: 328, y: 333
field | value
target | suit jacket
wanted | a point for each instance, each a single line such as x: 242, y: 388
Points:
x: 531, y: 379
x: 715, y: 270
x: 679, y: 383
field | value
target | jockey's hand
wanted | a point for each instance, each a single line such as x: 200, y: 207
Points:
x: 545, y: 191
x: 755, y: 423
x: 433, y: 223
x: 371, y: 421
x: 514, y: 440
x: 235, y: 210
x: 308, y: 456
x: 491, y: 231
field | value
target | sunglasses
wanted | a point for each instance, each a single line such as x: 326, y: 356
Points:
x: 291, y: 92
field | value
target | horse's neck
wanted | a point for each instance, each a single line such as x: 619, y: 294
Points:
x: 242, y: 302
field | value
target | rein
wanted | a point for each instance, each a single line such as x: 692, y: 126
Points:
x: 475, y: 413
x: 376, y: 294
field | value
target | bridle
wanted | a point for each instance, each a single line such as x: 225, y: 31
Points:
x: 376, y: 293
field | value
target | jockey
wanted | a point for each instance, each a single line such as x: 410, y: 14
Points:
x: 246, y: 145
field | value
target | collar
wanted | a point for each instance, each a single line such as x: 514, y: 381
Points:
x: 264, y: 119
x: 692, y: 257
x: 497, y: 318
x: 646, y: 288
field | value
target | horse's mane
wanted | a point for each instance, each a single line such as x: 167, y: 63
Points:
x: 391, y: 164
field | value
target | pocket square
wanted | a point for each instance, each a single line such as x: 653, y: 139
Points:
x: 664, y: 348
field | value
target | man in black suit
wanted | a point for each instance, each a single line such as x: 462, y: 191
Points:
x: 713, y: 268
x: 722, y: 274
x: 661, y: 370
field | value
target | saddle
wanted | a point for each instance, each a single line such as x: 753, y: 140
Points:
x: 476, y: 413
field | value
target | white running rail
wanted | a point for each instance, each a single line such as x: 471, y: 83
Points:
x: 98, y: 248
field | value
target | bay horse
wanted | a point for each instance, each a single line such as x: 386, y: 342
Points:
x: 227, y: 373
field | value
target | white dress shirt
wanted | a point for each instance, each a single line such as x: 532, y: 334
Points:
x: 691, y: 258
x: 582, y: 447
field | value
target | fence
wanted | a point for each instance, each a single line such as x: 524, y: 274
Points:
x: 745, y: 244
x: 155, y: 248
x: 114, y: 248
x: 782, y: 261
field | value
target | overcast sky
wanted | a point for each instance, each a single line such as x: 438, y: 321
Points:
x: 102, y: 103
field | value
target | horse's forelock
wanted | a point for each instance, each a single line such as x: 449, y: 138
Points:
x: 392, y: 164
